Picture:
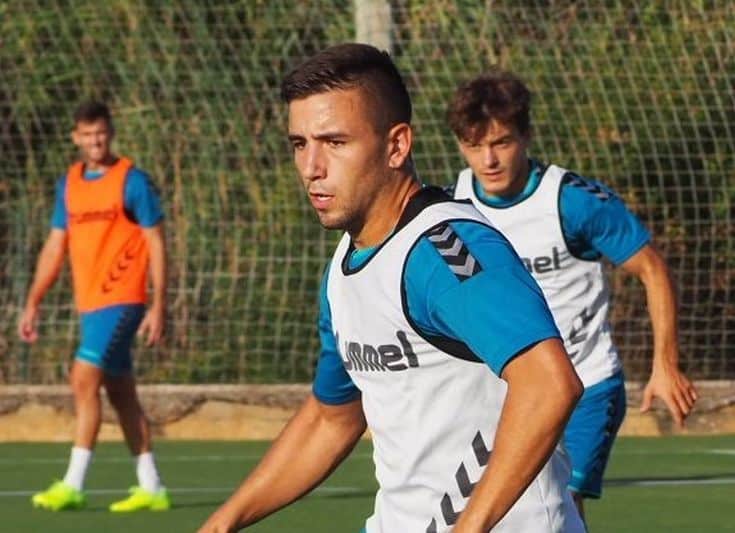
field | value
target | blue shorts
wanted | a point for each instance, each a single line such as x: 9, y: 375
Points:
x: 107, y: 335
x: 591, y: 431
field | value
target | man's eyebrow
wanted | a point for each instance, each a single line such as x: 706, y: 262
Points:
x: 324, y: 136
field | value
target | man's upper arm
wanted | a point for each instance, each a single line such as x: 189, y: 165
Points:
x: 153, y: 232
x: 545, y: 364
x: 497, y: 312
x: 56, y: 240
x: 332, y: 384
x: 646, y: 262
x: 597, y: 222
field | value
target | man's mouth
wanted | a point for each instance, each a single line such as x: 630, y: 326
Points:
x: 320, y: 200
x: 493, y: 174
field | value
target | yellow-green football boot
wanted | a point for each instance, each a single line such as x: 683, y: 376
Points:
x: 59, y: 496
x: 142, y: 500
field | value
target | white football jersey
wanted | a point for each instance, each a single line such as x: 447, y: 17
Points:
x: 432, y: 415
x: 575, y: 289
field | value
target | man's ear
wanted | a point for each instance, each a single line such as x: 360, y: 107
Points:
x: 400, y: 142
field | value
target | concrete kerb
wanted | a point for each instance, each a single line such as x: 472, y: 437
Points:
x: 253, y: 412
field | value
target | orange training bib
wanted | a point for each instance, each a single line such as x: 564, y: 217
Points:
x: 108, y: 252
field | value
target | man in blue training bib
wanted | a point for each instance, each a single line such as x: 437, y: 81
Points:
x: 433, y: 333
x: 562, y: 225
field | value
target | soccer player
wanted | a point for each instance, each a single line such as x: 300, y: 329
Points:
x: 563, y: 225
x: 108, y: 216
x: 433, y: 334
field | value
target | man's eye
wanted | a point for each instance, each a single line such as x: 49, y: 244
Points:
x: 335, y: 143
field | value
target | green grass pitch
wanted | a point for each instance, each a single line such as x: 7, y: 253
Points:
x: 675, y: 484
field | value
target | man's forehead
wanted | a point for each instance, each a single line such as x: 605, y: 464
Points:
x: 491, y: 131
x: 100, y: 123
x: 324, y: 109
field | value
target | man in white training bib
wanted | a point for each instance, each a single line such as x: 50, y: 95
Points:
x: 562, y: 226
x: 433, y: 333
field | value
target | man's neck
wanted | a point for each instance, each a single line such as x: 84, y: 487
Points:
x: 385, y: 213
x: 100, y: 166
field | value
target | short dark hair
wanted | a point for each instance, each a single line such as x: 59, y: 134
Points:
x: 92, y: 111
x: 349, y: 66
x: 498, y: 95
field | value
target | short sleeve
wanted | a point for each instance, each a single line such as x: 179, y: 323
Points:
x: 58, y: 218
x: 142, y: 201
x: 596, y: 222
x: 482, y: 297
x: 332, y: 384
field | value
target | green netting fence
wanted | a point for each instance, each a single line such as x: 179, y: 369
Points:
x: 637, y: 94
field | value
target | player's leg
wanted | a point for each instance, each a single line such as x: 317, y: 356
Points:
x: 589, y: 436
x: 123, y: 397
x: 121, y: 391
x: 85, y: 378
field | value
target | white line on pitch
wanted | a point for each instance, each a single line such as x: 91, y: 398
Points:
x: 234, y: 458
x: 711, y: 451
x: 186, y: 490
x: 669, y: 482
x: 159, y: 459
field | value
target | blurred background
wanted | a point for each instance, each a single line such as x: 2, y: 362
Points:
x: 639, y: 95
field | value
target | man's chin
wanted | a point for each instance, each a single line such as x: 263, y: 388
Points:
x: 496, y: 188
x: 330, y: 222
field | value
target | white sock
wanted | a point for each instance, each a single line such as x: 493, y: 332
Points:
x: 78, y: 464
x: 147, y: 472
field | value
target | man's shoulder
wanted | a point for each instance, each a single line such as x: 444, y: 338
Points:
x: 579, y: 187
x: 459, y: 249
x: 137, y: 173
x: 138, y: 182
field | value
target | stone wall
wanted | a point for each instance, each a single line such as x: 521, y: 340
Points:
x: 254, y: 412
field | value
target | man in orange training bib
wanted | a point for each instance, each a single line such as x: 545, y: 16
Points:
x: 108, y: 215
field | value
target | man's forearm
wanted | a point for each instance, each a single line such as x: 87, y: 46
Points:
x: 157, y: 249
x: 662, y: 308
x: 305, y: 453
x: 649, y: 266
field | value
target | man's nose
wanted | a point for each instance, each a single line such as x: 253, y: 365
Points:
x: 314, y: 167
x: 490, y: 158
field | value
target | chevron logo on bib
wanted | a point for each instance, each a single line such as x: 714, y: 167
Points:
x: 461, y: 262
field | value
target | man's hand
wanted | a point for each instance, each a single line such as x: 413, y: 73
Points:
x: 222, y: 521
x: 152, y: 325
x: 27, y: 324
x: 673, y: 388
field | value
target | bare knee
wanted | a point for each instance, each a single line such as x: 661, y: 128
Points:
x: 85, y: 383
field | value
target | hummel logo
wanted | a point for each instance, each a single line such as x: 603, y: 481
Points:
x: 593, y: 188
x: 545, y: 263
x: 118, y: 270
x: 368, y: 358
x: 482, y: 455
x: 454, y: 252
x: 578, y: 333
